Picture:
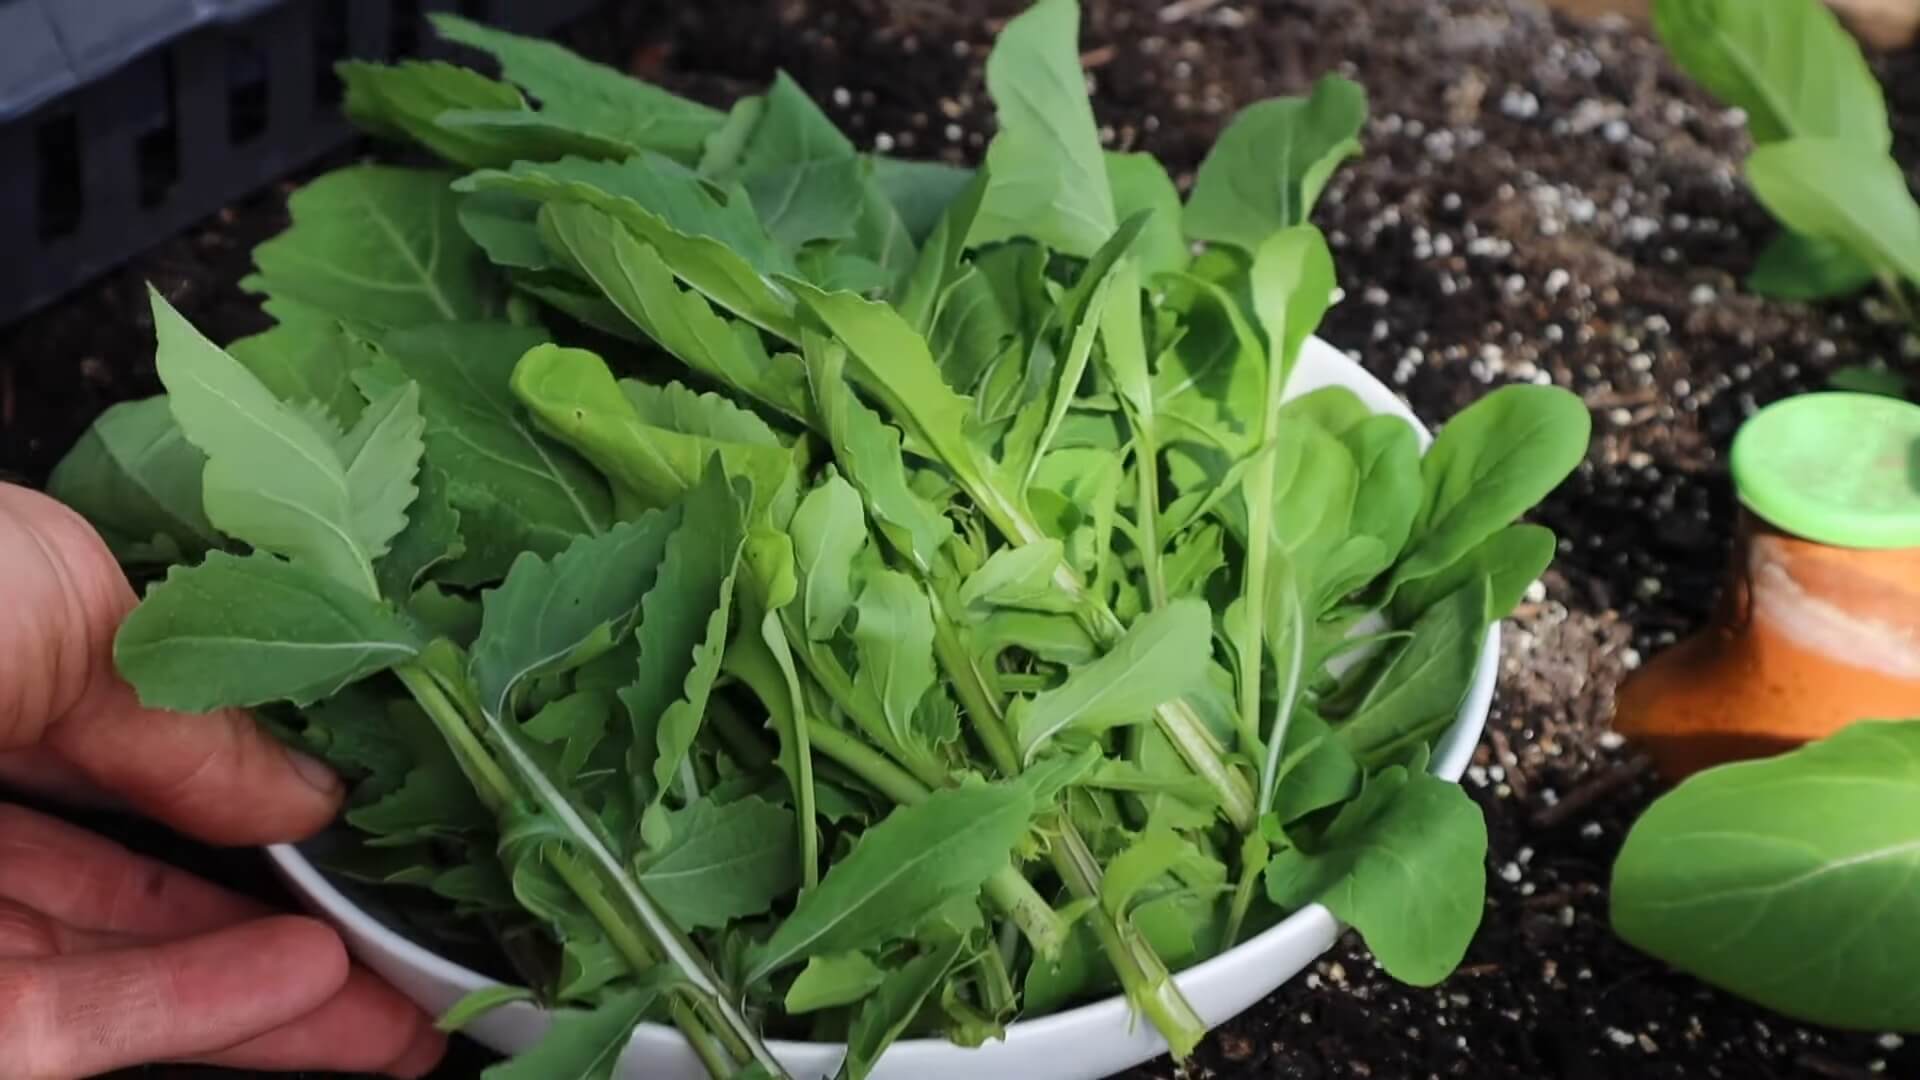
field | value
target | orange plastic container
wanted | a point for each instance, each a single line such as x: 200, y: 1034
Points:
x: 1819, y: 624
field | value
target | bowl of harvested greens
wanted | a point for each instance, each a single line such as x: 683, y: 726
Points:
x: 785, y: 611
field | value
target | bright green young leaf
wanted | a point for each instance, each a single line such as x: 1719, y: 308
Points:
x: 893, y: 639
x: 272, y: 479
x: 829, y: 528
x: 1158, y: 659
x: 246, y: 631
x: 382, y: 455
x: 1386, y: 451
x: 1778, y: 879
x: 380, y: 247
x: 1140, y: 183
x: 1844, y: 192
x: 831, y: 981
x: 1293, y: 285
x: 1270, y: 164
x: 1046, y: 175
x: 1018, y: 577
x: 1411, y: 877
x: 900, y: 871
x: 1788, y: 64
x: 1498, y: 457
x: 578, y: 94
x: 724, y: 862
x: 136, y: 479
x: 507, y: 228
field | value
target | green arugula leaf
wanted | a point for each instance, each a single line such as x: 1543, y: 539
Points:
x: 379, y: 247
x: 829, y: 529
x: 1499, y: 456
x: 581, y: 95
x: 900, y: 871
x: 406, y: 101
x: 1270, y: 164
x: 1140, y: 184
x: 1843, y: 192
x: 724, y: 862
x: 1765, y: 878
x: 829, y: 982
x: 893, y: 638
x: 920, y: 192
x: 1409, y: 875
x: 1796, y: 267
x: 581, y: 1045
x: 236, y: 631
x: 894, y: 1005
x: 478, y: 1003
x: 1510, y: 560
x: 1419, y: 690
x: 1046, y: 176
x: 136, y: 479
x: 1158, y: 659
x: 1020, y: 578
x: 1790, y: 66
x: 515, y: 489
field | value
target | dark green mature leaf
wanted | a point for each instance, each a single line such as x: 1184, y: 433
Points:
x: 717, y: 247
x: 900, y: 871
x: 920, y: 191
x: 246, y: 631
x: 549, y: 614
x: 640, y: 284
x: 1270, y: 164
x: 1046, y: 176
x: 1510, y: 560
x: 1500, y: 456
x: 1410, y: 875
x: 1777, y: 879
x: 433, y: 802
x: 1418, y: 692
x: 431, y: 537
x: 407, y: 100
x: 507, y: 228
x: 1789, y: 65
x: 136, y: 479
x: 516, y: 490
x: 1160, y: 657
x: 272, y: 479
x: 1796, y: 267
x: 894, y: 1005
x: 724, y: 862
x: 581, y: 95
x: 380, y: 247
x: 1845, y: 192
x: 581, y: 1045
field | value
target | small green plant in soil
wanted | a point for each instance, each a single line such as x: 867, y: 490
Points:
x: 976, y: 630
x: 1790, y: 880
x: 1821, y: 162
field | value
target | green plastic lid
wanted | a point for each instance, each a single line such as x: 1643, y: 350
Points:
x: 1835, y: 468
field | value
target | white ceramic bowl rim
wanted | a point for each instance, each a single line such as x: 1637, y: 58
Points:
x: 1320, y: 365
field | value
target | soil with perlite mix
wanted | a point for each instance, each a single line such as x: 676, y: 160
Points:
x: 1539, y: 199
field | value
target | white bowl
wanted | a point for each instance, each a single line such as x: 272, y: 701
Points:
x: 1079, y: 1044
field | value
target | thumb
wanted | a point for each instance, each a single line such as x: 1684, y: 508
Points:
x: 91, y: 1013
x: 217, y: 776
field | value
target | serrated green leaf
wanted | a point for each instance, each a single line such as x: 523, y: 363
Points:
x: 380, y: 247
x: 382, y: 457
x: 245, y: 631
x: 430, y: 539
x: 724, y: 862
x: 307, y: 357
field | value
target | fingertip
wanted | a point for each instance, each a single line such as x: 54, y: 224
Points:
x: 311, y: 946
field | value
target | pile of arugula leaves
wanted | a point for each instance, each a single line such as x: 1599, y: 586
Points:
x: 977, y: 629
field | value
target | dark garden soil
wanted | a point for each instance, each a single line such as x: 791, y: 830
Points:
x: 1539, y: 200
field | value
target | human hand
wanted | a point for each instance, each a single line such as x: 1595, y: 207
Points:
x: 107, y: 958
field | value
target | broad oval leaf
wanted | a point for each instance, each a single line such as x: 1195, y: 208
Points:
x: 1848, y: 193
x: 900, y: 871
x: 1269, y: 165
x: 1784, y: 880
x: 829, y: 528
x: 246, y: 631
x: 723, y: 862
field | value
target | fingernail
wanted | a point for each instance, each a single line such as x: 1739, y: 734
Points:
x: 315, y: 772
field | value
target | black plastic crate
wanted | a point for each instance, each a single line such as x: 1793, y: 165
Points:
x: 121, y: 121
